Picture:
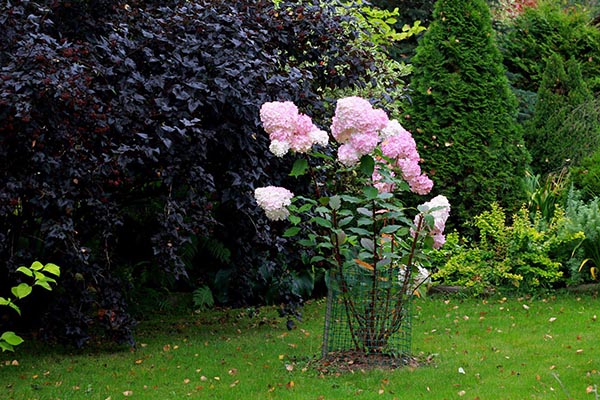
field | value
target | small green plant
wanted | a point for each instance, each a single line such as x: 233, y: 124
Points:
x: 528, y: 254
x: 543, y: 194
x: 42, y: 276
x: 203, y: 298
x: 585, y: 217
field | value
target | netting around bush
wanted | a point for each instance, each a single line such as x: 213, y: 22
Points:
x: 368, y: 318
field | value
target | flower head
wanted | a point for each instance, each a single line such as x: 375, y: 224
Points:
x: 348, y: 155
x: 439, y: 209
x: 279, y: 119
x: 274, y: 201
x: 356, y: 115
x: 288, y: 129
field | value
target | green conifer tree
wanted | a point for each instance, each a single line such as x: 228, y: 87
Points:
x: 463, y: 114
x: 565, y: 124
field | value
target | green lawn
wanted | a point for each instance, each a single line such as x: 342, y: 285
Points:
x: 516, y: 348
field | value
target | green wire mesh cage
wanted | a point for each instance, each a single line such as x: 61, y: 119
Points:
x: 368, y: 318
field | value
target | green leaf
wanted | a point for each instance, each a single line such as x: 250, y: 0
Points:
x: 25, y: 270
x: 370, y: 192
x: 9, y: 303
x: 364, y: 221
x: 299, y: 168
x: 367, y: 244
x: 6, y: 347
x: 304, y: 208
x: 360, y: 231
x: 367, y: 165
x: 350, y: 199
x: 37, y: 266
x: 11, y: 338
x: 322, y: 222
x: 290, y: 232
x: 44, y: 284
x: 21, y: 290
x: 345, y: 221
x: 52, y: 269
x: 364, y: 211
x: 294, y: 219
x: 335, y: 202
x: 316, y: 259
x: 390, y: 228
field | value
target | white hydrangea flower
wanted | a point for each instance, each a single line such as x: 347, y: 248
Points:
x: 279, y: 147
x: 274, y: 201
x: 319, y: 137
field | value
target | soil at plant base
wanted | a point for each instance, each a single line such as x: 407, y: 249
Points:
x: 356, y: 361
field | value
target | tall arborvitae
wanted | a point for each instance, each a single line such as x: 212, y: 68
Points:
x: 565, y: 126
x: 463, y: 113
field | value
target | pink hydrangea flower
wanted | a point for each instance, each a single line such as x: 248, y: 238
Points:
x: 274, y: 201
x: 290, y: 130
x: 279, y: 119
x: 400, y: 145
x: 439, y: 208
x: 421, y: 184
x: 364, y: 143
x: 356, y: 115
x: 348, y: 155
x: 392, y: 128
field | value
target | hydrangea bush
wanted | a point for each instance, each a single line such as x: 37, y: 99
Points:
x: 356, y: 220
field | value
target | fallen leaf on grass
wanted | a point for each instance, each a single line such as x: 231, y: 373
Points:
x: 232, y: 371
x: 552, y: 319
x: 186, y: 381
x: 589, y: 389
x: 128, y: 393
x: 290, y: 384
x: 462, y: 393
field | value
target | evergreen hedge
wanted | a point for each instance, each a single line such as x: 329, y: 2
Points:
x: 463, y: 113
x: 565, y: 127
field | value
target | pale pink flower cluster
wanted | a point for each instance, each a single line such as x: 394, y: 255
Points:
x: 356, y: 125
x: 274, y: 201
x: 290, y: 130
x: 439, y: 208
x: 399, y: 146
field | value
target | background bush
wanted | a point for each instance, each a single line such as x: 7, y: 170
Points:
x: 565, y: 126
x: 129, y: 139
x: 527, y: 255
x: 463, y: 113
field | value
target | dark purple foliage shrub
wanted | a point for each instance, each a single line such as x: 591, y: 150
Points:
x: 128, y: 130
